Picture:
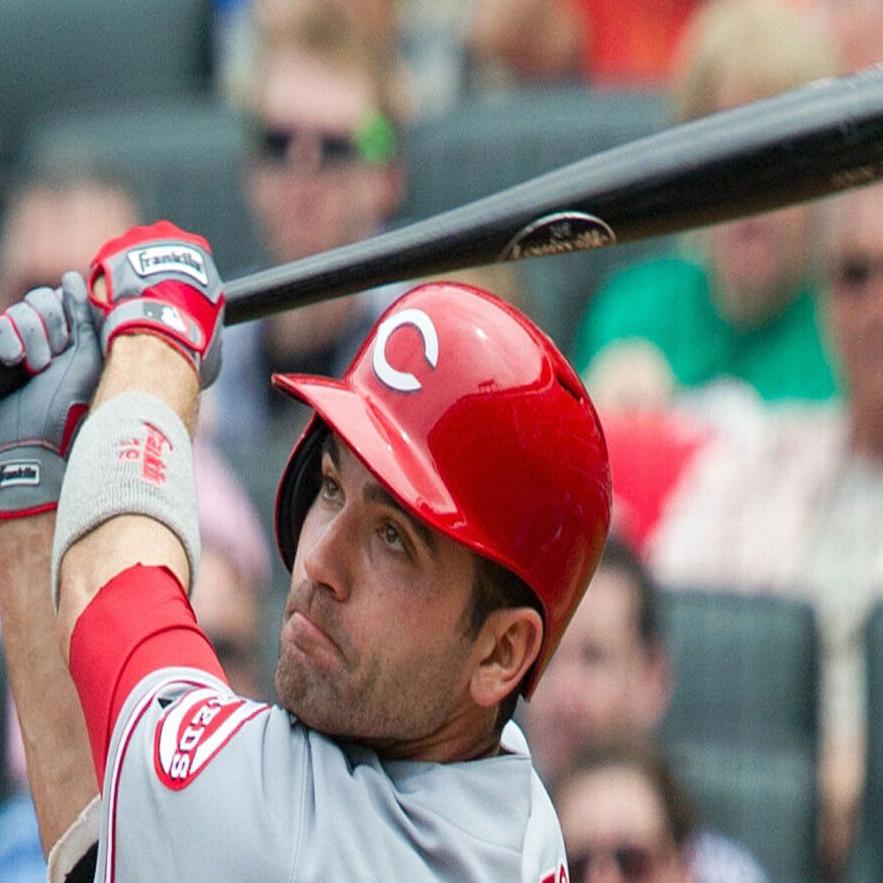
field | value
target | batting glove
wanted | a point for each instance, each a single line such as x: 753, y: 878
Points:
x: 161, y: 280
x: 52, y: 335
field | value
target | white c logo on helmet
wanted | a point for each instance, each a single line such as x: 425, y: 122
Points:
x: 402, y: 380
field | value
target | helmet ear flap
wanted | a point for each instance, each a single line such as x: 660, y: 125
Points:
x: 299, y: 487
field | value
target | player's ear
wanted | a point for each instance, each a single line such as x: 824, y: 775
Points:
x: 506, y: 648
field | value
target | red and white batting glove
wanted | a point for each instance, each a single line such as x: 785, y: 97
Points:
x: 161, y: 280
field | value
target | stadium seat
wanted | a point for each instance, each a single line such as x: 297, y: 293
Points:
x: 90, y: 53
x: 182, y: 157
x: 746, y: 669
x: 766, y: 800
x: 742, y: 727
x: 487, y: 143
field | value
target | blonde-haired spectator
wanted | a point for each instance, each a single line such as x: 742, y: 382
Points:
x: 739, y: 299
x: 736, y: 51
x: 324, y: 172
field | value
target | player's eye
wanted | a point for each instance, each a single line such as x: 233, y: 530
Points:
x: 393, y: 536
x: 330, y: 487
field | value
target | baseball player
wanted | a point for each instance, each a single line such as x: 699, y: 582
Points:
x: 441, y: 516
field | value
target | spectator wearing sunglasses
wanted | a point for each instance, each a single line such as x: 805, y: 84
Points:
x: 625, y: 819
x: 785, y: 500
x: 323, y: 172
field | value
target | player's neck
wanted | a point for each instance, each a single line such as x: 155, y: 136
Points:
x: 463, y: 737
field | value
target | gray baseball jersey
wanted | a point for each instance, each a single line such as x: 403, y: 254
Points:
x: 202, y: 785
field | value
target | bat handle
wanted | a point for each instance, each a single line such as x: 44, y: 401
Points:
x: 11, y: 379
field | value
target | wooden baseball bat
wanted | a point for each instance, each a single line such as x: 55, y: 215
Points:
x: 810, y: 142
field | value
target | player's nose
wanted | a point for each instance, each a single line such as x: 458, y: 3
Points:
x: 328, y: 559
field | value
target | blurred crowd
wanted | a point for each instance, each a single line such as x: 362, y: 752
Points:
x: 738, y: 371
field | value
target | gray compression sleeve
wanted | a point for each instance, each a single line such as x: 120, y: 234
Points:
x: 133, y: 456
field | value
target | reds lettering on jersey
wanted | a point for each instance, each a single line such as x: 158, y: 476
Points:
x: 194, y: 729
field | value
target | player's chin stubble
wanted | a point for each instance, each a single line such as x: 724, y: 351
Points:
x: 329, y: 705
x: 370, y: 709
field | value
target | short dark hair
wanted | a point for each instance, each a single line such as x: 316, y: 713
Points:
x: 497, y: 588
x: 622, y: 558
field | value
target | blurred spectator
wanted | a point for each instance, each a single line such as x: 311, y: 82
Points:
x: 595, y: 39
x: 787, y: 500
x: 231, y: 589
x: 745, y: 304
x: 324, y: 174
x: 625, y: 818
x: 56, y: 223
x: 610, y: 683
x: 610, y: 678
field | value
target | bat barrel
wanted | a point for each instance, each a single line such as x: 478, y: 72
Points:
x: 807, y: 143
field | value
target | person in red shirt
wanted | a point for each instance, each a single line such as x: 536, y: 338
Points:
x: 595, y: 39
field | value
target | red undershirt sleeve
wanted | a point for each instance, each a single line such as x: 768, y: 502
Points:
x: 138, y: 623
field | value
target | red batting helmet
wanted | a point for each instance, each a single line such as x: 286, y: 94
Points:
x: 473, y: 420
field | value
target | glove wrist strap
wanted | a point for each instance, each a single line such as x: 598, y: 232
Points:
x: 30, y: 480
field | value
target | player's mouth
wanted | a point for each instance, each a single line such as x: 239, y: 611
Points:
x: 307, y: 638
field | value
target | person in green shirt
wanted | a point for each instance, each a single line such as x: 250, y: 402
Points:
x: 671, y: 304
x: 744, y: 305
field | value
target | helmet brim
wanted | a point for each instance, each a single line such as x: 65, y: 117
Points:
x: 374, y: 438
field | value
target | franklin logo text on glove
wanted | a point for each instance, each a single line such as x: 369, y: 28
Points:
x: 20, y: 473
x: 168, y: 259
